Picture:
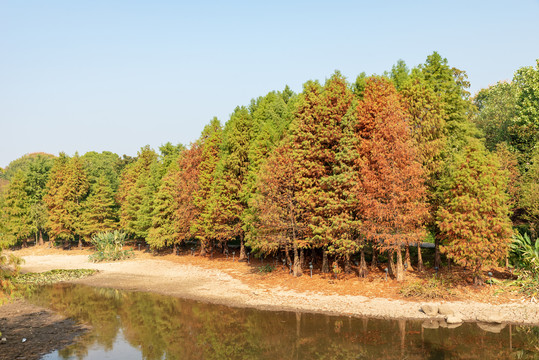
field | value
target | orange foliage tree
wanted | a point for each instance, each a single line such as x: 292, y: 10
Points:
x: 390, y: 184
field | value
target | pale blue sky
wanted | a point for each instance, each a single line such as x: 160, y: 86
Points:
x: 117, y: 75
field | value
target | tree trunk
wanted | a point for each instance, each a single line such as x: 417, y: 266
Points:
x: 175, y: 249
x: 419, y: 258
x: 362, y: 272
x: 407, y: 260
x: 391, y: 264
x: 287, y: 252
x: 40, y: 238
x: 296, y: 268
x: 374, y: 262
x: 242, y: 249
x: 400, y: 270
x: 80, y: 243
x: 437, y: 258
x: 347, y: 263
x: 325, y: 265
x: 301, y: 258
x: 478, y: 280
x: 25, y: 243
x: 202, y: 247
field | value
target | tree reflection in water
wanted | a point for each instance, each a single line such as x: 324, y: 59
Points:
x: 164, y: 327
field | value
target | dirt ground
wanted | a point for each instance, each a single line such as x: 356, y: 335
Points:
x: 29, y: 332
x: 226, y: 281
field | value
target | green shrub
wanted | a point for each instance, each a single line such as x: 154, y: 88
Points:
x: 265, y: 269
x: 108, y: 247
x: 526, y: 256
x: 9, y: 269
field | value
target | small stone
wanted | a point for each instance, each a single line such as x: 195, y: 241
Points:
x: 490, y: 316
x: 453, y: 319
x: 430, y: 310
x: 4, y: 340
x: 445, y: 309
x: 493, y: 328
x: 23, y: 339
x: 430, y: 324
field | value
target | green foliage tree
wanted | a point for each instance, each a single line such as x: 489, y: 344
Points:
x: 272, y: 115
x: 227, y: 198
x: 210, y: 142
x: 163, y: 231
x: 135, y: 194
x: 474, y: 222
x: 100, y: 211
x: 18, y: 221
x: 530, y: 194
x: 450, y: 85
x: 316, y: 133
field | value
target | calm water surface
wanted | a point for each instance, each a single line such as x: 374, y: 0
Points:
x: 137, y: 325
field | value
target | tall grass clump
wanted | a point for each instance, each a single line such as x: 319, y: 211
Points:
x: 109, y: 247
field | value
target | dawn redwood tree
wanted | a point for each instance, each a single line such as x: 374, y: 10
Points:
x: 187, y: 186
x: 277, y: 212
x: 450, y: 85
x: 427, y: 126
x: 100, y: 211
x: 390, y: 184
x: 272, y: 115
x: 165, y: 206
x: 210, y: 142
x: 135, y: 194
x: 315, y: 135
x: 227, y: 199
x: 17, y: 210
x: 345, y: 215
x: 474, y: 220
x: 67, y: 190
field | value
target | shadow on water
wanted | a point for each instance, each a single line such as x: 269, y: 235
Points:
x: 151, y: 326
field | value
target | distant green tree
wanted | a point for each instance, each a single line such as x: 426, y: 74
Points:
x: 451, y: 85
x: 525, y: 127
x: 105, y: 164
x: 496, y: 110
x: 399, y: 74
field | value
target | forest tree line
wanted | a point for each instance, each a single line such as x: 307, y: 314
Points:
x: 384, y: 163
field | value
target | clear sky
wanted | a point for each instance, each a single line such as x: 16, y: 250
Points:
x: 117, y: 75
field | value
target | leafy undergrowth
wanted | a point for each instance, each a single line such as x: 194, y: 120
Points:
x: 52, y: 276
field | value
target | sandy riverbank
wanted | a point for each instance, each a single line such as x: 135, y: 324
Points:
x: 217, y: 286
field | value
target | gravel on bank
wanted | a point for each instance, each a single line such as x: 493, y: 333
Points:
x: 215, y: 286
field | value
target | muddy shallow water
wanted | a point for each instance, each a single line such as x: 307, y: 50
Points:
x: 139, y: 325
